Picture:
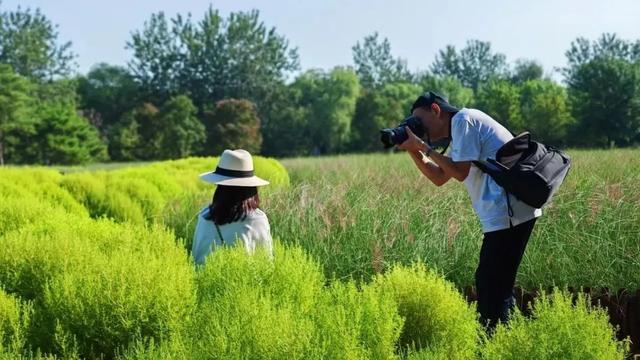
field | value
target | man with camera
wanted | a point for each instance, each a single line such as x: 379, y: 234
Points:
x: 507, y: 223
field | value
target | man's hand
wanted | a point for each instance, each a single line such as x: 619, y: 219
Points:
x: 413, y: 143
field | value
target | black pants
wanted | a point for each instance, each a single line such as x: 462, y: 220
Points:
x: 500, y: 258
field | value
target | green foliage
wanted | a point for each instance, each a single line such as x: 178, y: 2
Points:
x: 374, y: 64
x: 545, y: 111
x: 14, y: 101
x: 605, y: 97
x: 14, y: 322
x: 212, y: 59
x: 559, y: 328
x: 233, y: 124
x: 29, y: 43
x: 501, y: 100
x: 98, y: 283
x: 437, y: 320
x: 106, y: 93
x: 181, y: 133
x: 331, y: 99
x: 526, y: 70
x: 381, y: 108
x: 474, y: 65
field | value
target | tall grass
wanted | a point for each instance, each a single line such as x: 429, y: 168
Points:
x: 360, y: 214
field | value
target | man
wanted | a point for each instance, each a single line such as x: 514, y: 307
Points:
x: 506, y: 222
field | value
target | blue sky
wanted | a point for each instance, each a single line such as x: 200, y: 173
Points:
x: 325, y: 31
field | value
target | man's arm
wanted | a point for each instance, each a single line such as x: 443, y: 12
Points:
x: 442, y: 168
x: 432, y: 171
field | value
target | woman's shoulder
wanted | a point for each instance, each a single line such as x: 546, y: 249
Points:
x: 257, y: 214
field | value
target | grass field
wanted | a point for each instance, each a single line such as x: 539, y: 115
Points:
x: 95, y: 264
x: 360, y: 214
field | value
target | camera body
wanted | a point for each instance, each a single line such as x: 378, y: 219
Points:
x: 398, y: 135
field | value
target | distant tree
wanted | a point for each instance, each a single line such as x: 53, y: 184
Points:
x: 14, y: 105
x: 380, y: 108
x: 525, y: 70
x: 215, y: 58
x: 375, y: 65
x: 29, y: 43
x: 286, y: 131
x: 181, y: 133
x: 474, y: 65
x: 106, y: 93
x: 608, y: 46
x: 605, y: 97
x: 545, y: 110
x: 331, y: 100
x: 232, y: 124
x: 501, y: 100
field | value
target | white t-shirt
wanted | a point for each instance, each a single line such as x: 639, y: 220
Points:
x: 476, y: 136
x: 253, y: 231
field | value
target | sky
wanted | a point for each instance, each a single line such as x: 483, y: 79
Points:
x: 325, y: 31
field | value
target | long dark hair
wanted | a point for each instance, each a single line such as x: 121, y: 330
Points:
x: 232, y: 203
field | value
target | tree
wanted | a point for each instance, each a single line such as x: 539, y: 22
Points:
x: 66, y: 138
x: 286, y: 130
x: 232, y: 124
x: 545, y: 111
x: 380, y: 108
x: 331, y: 99
x: 608, y: 46
x: 474, y: 65
x: 210, y: 60
x: 374, y: 64
x: 29, y: 43
x: 181, y: 133
x: 106, y: 93
x: 605, y: 97
x: 501, y: 100
x: 525, y: 70
x: 14, y: 103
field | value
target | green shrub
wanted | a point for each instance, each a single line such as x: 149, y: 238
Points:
x: 558, y: 329
x: 437, y: 320
x: 354, y: 324
x: 14, y: 321
x: 255, y: 307
x: 98, y: 283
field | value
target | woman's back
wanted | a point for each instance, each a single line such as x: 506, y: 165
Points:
x: 253, y: 231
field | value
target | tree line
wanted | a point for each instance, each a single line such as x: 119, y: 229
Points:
x: 198, y: 86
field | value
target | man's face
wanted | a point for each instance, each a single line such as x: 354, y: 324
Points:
x: 428, y: 117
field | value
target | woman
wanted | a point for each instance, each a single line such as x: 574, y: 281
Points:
x: 233, y: 214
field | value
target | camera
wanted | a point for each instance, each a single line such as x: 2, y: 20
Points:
x: 398, y: 135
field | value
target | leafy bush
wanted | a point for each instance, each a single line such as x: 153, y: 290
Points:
x: 558, y: 329
x: 14, y: 319
x: 98, y: 284
x: 437, y: 320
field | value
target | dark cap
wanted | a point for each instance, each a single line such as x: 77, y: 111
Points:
x: 430, y: 97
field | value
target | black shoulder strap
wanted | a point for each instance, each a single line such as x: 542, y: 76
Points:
x: 219, y: 233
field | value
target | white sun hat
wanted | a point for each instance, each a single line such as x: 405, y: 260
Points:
x: 235, y: 168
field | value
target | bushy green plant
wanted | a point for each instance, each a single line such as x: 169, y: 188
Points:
x: 14, y: 320
x: 558, y: 328
x: 437, y: 320
x: 98, y: 283
x: 353, y: 324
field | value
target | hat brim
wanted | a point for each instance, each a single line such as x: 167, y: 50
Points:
x: 448, y: 107
x: 213, y: 178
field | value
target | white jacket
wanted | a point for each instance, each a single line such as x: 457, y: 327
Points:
x: 253, y: 231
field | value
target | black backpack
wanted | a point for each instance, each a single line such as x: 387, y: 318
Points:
x: 527, y: 169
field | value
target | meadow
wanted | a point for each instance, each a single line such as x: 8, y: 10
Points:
x: 370, y: 263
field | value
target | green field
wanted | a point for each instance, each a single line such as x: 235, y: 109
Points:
x: 369, y: 263
x: 360, y: 214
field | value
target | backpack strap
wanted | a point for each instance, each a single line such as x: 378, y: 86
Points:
x: 219, y: 233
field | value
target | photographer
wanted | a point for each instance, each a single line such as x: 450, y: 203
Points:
x: 507, y: 223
